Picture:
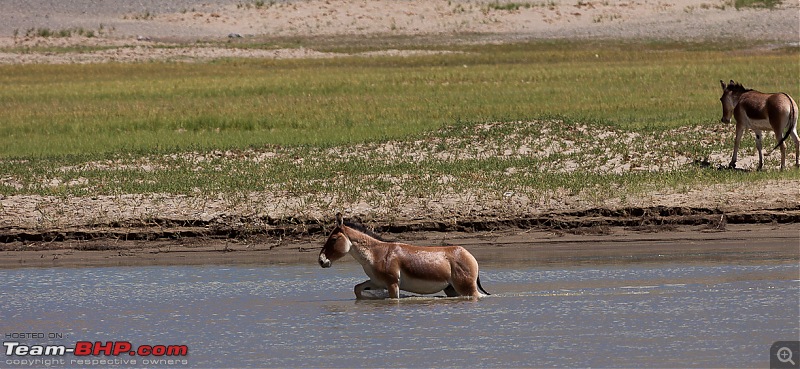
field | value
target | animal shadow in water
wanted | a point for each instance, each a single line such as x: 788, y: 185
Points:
x: 381, y: 296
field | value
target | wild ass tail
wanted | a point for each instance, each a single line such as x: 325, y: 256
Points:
x: 792, y: 123
x: 481, y: 287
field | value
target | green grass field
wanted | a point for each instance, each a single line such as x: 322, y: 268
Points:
x: 53, y: 110
x: 84, y: 130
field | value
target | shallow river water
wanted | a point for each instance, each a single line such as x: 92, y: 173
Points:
x: 305, y: 316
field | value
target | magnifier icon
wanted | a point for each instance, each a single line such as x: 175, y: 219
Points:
x: 784, y: 355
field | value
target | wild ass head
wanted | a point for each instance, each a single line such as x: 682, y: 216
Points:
x: 337, y: 245
x: 730, y: 97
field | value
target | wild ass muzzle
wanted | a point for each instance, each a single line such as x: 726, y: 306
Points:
x: 759, y: 111
x: 398, y: 266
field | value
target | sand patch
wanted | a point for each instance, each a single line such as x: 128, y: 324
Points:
x: 170, y: 31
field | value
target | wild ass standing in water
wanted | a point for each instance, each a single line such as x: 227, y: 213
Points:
x: 397, y: 266
x: 759, y: 111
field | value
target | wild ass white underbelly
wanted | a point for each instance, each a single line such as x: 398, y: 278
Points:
x: 421, y: 285
x: 407, y: 283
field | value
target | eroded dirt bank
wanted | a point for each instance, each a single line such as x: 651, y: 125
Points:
x: 600, y: 236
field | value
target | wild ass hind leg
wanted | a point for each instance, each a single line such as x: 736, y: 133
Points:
x: 466, y: 288
x: 394, y: 290
x: 783, y: 148
x: 796, y: 141
x: 450, y: 291
x: 796, y: 149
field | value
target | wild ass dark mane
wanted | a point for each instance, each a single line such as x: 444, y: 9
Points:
x: 363, y: 229
x: 737, y: 87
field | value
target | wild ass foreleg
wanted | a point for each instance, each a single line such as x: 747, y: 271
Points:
x: 367, y: 285
x: 736, y: 141
x: 759, y: 147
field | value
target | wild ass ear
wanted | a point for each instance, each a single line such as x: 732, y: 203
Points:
x: 339, y: 220
x: 723, y: 85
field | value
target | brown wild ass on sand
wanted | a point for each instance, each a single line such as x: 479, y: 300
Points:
x: 759, y: 111
x: 398, y: 266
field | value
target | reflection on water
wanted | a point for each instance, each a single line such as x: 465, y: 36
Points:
x: 304, y: 316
